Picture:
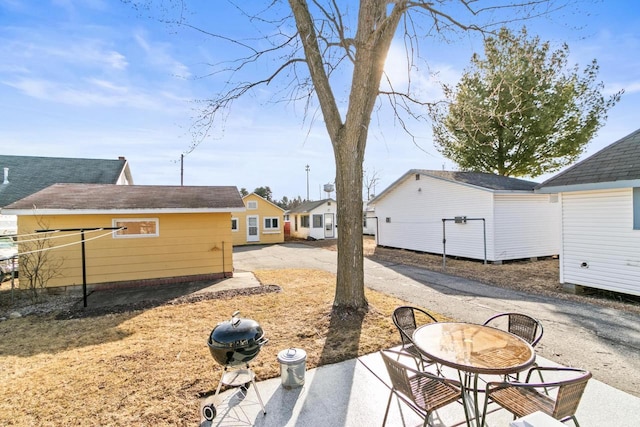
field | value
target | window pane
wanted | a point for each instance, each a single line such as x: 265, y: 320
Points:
x: 317, y: 221
x: 136, y: 228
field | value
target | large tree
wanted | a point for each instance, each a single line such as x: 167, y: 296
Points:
x: 328, y: 57
x: 520, y: 110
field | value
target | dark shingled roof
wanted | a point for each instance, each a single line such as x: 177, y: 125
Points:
x: 130, y: 197
x: 481, y: 179
x: 478, y: 179
x: 619, y: 161
x: 309, y: 206
x: 27, y: 174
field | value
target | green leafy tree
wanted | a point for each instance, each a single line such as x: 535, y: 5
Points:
x: 520, y: 110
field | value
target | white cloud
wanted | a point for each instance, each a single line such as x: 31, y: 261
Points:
x: 93, y: 93
x: 159, y: 56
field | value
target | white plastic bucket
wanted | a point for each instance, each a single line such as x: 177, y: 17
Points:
x: 292, y: 367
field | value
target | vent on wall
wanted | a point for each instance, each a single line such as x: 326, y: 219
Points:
x: 388, y: 219
x: 417, y: 177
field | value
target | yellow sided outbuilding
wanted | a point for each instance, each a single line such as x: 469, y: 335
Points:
x: 261, y: 223
x: 112, y: 236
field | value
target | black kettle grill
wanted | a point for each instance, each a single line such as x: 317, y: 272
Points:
x: 233, y: 344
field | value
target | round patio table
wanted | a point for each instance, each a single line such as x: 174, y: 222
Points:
x: 473, y: 350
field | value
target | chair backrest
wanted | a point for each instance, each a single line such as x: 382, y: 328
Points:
x: 398, y: 375
x: 522, y: 325
x: 404, y: 317
x: 569, y: 395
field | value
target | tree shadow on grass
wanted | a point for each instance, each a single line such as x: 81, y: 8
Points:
x: 343, y: 337
x: 99, y: 323
x: 33, y: 335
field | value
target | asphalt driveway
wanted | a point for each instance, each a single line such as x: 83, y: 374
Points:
x: 603, y: 340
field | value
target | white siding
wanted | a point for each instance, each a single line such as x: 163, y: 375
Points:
x: 598, y: 231
x: 416, y: 208
x: 527, y: 225
x: 369, y: 228
x: 8, y: 224
x: 317, y: 233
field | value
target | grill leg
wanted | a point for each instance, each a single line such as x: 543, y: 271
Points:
x: 255, y: 387
x: 224, y: 371
x: 253, y: 381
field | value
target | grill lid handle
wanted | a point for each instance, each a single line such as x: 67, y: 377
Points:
x: 234, y: 318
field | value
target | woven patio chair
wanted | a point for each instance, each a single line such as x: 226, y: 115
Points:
x: 423, y: 392
x: 522, y: 399
x: 522, y: 325
x: 404, y: 317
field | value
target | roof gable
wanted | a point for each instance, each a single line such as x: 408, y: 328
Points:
x: 259, y: 197
x: 109, y: 197
x: 28, y: 175
x: 617, y: 163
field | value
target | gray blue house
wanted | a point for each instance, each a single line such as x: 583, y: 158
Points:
x: 26, y: 175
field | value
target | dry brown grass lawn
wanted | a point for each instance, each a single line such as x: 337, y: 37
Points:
x: 151, y: 367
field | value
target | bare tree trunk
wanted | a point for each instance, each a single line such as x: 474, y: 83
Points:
x: 349, y: 138
x: 350, y: 278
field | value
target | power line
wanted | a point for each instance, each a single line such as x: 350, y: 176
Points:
x: 50, y: 237
x: 67, y: 244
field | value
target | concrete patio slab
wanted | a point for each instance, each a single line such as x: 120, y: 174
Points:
x: 355, y: 393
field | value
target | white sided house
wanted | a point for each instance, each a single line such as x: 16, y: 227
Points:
x: 369, y: 220
x: 600, y: 200
x: 316, y: 220
x: 467, y: 214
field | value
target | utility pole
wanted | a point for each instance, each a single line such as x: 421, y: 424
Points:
x: 307, y: 168
x: 181, y: 169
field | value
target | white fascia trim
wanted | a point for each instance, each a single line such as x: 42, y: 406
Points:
x: 117, y: 211
x: 590, y: 186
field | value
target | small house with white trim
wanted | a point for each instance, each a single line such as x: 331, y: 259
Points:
x: 600, y: 201
x: 467, y: 214
x: 262, y: 222
x: 315, y: 220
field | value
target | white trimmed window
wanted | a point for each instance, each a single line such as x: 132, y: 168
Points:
x: 234, y: 224
x: 317, y: 221
x: 271, y: 224
x: 252, y: 204
x: 136, y: 227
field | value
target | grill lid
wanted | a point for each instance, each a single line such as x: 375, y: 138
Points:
x: 236, y: 333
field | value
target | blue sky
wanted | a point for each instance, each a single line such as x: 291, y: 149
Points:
x: 102, y: 79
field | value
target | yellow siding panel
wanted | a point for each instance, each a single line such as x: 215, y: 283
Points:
x: 188, y: 244
x: 265, y: 209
